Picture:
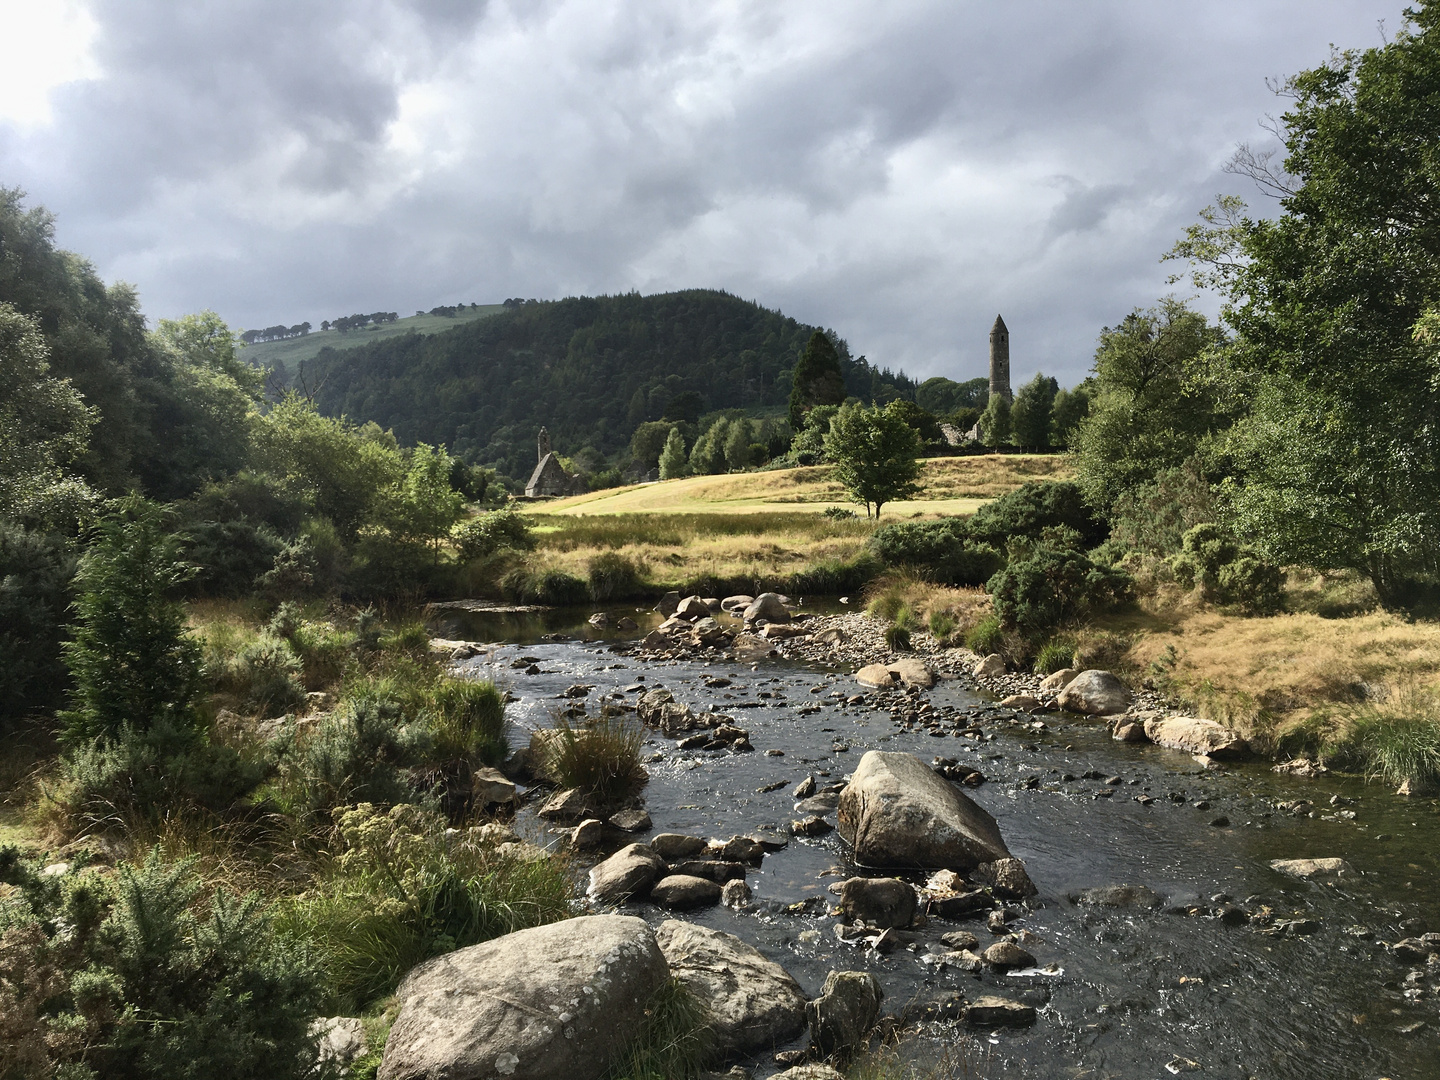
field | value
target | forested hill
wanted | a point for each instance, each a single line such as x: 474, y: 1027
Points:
x: 588, y: 368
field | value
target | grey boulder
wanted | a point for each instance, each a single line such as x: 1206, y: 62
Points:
x: 1196, y: 736
x: 844, y: 1013
x: 897, y: 811
x: 628, y: 873
x: 767, y: 607
x: 679, y: 891
x: 882, y: 902
x: 554, y: 1002
x: 1098, y: 693
x: 754, y: 1004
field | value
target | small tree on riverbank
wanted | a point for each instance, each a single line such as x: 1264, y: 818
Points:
x: 875, y: 452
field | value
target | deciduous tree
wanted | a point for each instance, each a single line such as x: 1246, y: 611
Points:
x: 875, y: 452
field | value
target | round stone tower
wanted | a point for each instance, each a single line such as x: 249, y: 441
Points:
x: 1000, y: 360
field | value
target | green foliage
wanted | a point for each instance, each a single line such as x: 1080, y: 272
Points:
x: 1394, y: 740
x: 360, y: 753
x: 1032, y: 508
x: 707, y: 456
x: 943, y: 549
x: 986, y: 637
x: 839, y: 513
x: 400, y: 892
x: 738, y: 437
x: 941, y: 625
x: 1155, y: 516
x: 924, y: 423
x: 897, y: 638
x: 995, y: 422
x: 230, y: 556
x: 1055, y: 655
x: 1228, y: 572
x: 44, y: 425
x: 648, y: 442
x: 1053, y: 585
x: 1030, y: 414
x: 131, y: 659
x: 943, y: 396
x: 1157, y: 400
x: 601, y: 756
x: 134, y: 979
x: 466, y: 718
x: 673, y: 460
x: 1066, y: 413
x: 266, y: 674
x: 875, y: 454
x: 486, y: 534
x: 817, y: 379
x: 831, y: 577
x: 530, y: 585
x: 35, y: 575
x: 808, y: 445
x: 424, y: 506
x: 613, y: 576
x: 675, y: 1042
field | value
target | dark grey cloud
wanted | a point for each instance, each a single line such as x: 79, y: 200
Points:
x: 900, y: 172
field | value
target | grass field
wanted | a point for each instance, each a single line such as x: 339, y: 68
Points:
x: 295, y: 351
x: 952, y: 486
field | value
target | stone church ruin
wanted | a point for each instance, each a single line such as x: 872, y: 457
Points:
x: 550, y: 480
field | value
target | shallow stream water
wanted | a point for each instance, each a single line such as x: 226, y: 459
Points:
x: 1143, y: 994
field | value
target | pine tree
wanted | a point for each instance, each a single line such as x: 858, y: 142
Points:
x: 818, y: 380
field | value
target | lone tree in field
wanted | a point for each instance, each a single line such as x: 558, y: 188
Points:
x: 817, y: 379
x: 875, y: 452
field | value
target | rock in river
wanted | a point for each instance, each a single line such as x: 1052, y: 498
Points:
x: 1196, y: 736
x: 876, y: 675
x: 629, y: 872
x: 684, y: 891
x: 897, y: 811
x: 1314, y: 869
x: 1098, y: 693
x: 991, y: 1011
x: 754, y: 1003
x: 845, y: 1011
x: 1118, y: 896
x: 881, y: 902
x: 767, y: 607
x: 1058, y: 680
x: 553, y: 1002
x: 992, y: 667
x: 1005, y: 955
x: 1007, y: 877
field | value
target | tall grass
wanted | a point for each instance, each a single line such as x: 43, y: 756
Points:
x: 1394, y: 740
x: 399, y: 892
x: 675, y: 1042
x: 466, y: 719
x: 601, y: 756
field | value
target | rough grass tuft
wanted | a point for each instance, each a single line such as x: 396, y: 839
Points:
x: 601, y: 756
x: 675, y: 1042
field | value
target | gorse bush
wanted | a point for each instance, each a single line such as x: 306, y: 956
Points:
x: 360, y: 753
x: 401, y: 891
x: 231, y: 556
x: 129, y: 978
x: 1053, y: 586
x: 601, y: 756
x: 943, y: 549
x: 1228, y: 572
x: 266, y: 673
x: 488, y: 533
x: 1033, y: 507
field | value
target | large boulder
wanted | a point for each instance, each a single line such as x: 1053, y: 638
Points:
x: 882, y: 902
x: 991, y: 667
x: 668, y: 603
x: 679, y: 891
x: 739, y: 602
x: 1058, y: 680
x: 768, y: 607
x: 753, y: 647
x: 692, y: 608
x: 913, y: 672
x: 1098, y: 693
x: 844, y: 1013
x: 754, y: 1004
x: 897, y: 811
x: 1196, y: 736
x: 809, y: 1072
x: 629, y: 872
x: 876, y: 675
x: 555, y: 1002
x: 490, y: 787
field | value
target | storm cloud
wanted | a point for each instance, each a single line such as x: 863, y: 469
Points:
x: 898, y: 171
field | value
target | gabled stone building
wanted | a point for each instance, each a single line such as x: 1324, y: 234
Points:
x: 550, y: 480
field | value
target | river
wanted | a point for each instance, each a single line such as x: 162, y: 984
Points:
x: 1143, y: 994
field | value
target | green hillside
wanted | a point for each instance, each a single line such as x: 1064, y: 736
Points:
x: 291, y: 352
x: 588, y: 368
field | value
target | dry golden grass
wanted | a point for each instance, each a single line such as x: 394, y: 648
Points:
x: 952, y: 486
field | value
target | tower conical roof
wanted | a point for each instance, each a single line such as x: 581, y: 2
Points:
x: 1000, y: 326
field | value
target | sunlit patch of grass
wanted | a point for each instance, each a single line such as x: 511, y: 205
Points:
x: 600, y: 756
x: 674, y: 1043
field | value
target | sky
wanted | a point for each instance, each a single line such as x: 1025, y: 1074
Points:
x: 899, y: 171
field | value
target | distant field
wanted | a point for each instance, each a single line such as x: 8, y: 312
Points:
x: 952, y: 486
x: 295, y: 351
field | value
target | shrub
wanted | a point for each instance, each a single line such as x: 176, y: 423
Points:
x: 602, y: 756
x: 324, y: 650
x: 1055, y: 655
x: 1034, y: 506
x: 467, y: 720
x: 1051, y: 587
x: 613, y: 576
x: 1228, y: 572
x: 230, y: 556
x: 839, y: 513
x: 131, y: 978
x: 944, y: 549
x: 527, y: 585
x: 400, y: 892
x: 831, y: 577
x: 160, y: 769
x: 359, y: 754
x: 1393, y: 740
x: 986, y: 637
x: 35, y: 574
x: 266, y: 673
x: 292, y: 572
x: 488, y: 533
x: 132, y: 662
x: 942, y: 624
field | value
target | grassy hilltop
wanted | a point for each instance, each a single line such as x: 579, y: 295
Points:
x: 293, y: 352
